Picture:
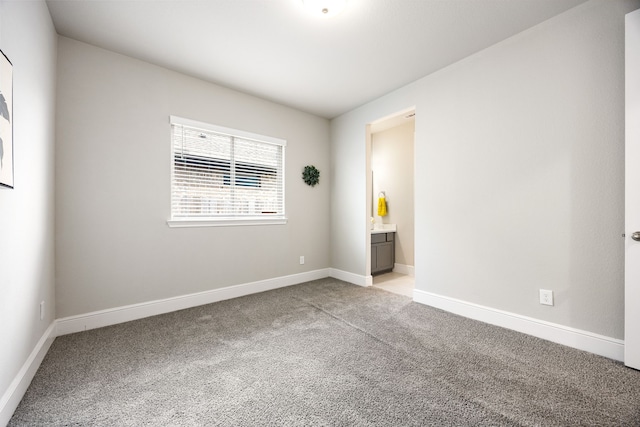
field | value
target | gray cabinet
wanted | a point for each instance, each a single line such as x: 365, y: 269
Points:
x: 383, y: 252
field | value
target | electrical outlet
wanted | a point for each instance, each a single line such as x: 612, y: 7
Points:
x: 41, y: 310
x: 301, y: 260
x: 546, y: 297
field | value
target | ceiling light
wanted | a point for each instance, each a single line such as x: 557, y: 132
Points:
x: 325, y: 8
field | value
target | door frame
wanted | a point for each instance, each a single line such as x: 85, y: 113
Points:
x: 632, y: 191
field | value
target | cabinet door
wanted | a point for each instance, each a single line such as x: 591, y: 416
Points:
x: 384, y: 256
x: 374, y: 259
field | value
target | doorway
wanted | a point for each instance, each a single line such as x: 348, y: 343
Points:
x: 390, y: 177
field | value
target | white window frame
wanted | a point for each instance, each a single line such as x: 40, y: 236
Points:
x: 216, y: 221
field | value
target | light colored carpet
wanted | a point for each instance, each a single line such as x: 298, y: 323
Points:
x: 322, y: 353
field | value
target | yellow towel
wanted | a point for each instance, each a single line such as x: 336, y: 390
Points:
x: 382, y: 206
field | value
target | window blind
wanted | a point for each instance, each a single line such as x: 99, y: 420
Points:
x: 221, y: 173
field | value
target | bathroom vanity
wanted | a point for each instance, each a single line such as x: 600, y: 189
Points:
x: 383, y: 250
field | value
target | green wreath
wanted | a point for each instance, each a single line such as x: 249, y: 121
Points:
x: 311, y: 175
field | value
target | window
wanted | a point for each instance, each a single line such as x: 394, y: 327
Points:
x: 223, y: 176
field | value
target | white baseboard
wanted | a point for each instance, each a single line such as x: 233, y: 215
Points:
x: 409, y: 270
x: 112, y: 316
x: 346, y: 276
x: 18, y: 387
x: 583, y: 340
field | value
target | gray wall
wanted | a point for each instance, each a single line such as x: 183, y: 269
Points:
x: 113, y: 245
x: 27, y: 37
x: 520, y: 184
x: 392, y: 165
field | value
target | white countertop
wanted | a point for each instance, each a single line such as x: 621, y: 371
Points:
x: 383, y: 228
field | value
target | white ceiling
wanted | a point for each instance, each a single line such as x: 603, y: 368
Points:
x: 275, y: 50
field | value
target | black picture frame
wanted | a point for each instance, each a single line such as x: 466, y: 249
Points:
x: 6, y: 122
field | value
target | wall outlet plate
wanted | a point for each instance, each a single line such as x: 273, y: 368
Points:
x: 301, y: 260
x: 546, y: 297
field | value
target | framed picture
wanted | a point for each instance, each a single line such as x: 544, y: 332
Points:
x: 6, y: 121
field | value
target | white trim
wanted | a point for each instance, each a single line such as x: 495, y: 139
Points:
x: 583, y: 340
x: 632, y: 202
x: 356, y: 279
x: 368, y: 280
x: 223, y: 222
x: 18, y: 387
x: 409, y: 270
x: 112, y: 316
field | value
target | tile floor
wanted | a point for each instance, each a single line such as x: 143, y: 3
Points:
x: 395, y: 282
